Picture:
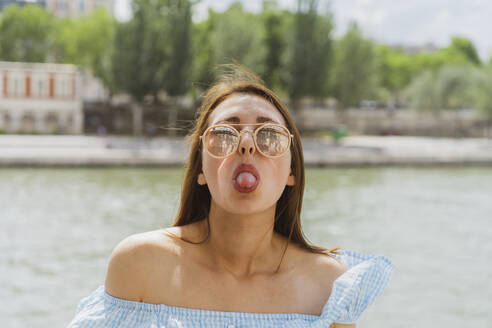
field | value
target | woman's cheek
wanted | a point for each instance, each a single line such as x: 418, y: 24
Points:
x: 216, y: 173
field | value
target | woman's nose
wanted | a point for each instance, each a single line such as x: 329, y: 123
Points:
x: 246, y: 143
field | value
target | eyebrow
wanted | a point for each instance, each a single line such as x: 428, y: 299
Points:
x: 259, y: 119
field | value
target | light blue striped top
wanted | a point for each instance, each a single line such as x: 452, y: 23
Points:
x: 352, y: 293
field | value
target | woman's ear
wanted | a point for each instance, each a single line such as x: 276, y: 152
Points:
x: 291, y: 180
x: 201, y: 179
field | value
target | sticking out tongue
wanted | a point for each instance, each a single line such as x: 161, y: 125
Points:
x: 245, y: 180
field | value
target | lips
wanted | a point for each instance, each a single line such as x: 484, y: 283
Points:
x: 246, y: 178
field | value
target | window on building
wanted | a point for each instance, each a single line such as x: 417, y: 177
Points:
x: 61, y: 7
x: 40, y: 85
x: 16, y: 87
x: 62, y: 86
x: 52, y: 123
x: 82, y: 6
x: 70, y: 119
x: 28, y: 122
x: 41, y: 88
x: 6, y: 119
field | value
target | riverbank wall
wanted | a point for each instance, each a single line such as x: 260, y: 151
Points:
x: 92, y: 151
x: 311, y: 119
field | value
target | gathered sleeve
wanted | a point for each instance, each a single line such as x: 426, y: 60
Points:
x: 355, y: 289
x: 98, y: 310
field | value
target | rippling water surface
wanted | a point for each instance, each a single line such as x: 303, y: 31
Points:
x: 59, y: 226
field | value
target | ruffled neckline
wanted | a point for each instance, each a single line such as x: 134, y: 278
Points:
x: 197, y: 313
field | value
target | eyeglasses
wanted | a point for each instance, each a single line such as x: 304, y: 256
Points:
x: 222, y: 140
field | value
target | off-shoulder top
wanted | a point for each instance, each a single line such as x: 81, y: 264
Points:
x: 352, y: 292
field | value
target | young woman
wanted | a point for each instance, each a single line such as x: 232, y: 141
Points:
x: 236, y: 255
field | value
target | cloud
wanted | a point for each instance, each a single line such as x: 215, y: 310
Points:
x: 419, y: 21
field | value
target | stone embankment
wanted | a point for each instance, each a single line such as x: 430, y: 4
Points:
x: 87, y: 151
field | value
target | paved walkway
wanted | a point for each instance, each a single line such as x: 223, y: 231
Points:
x: 26, y: 150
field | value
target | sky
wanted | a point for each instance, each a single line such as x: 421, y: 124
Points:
x: 393, y: 22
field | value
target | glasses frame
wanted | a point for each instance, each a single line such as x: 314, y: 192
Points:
x: 254, y: 134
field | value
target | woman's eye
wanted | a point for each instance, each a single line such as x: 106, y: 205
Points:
x: 271, y: 132
x: 223, y: 131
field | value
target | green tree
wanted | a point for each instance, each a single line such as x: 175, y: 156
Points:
x: 395, y: 69
x: 453, y: 86
x: 25, y: 34
x: 203, y: 54
x: 464, y: 48
x: 460, y: 51
x: 448, y: 89
x: 231, y: 36
x: 275, y: 42
x: 237, y: 37
x: 422, y: 94
x: 146, y: 49
x: 311, y: 53
x: 88, y: 42
x: 482, y: 97
x: 431, y: 61
x: 355, y: 69
x: 176, y: 77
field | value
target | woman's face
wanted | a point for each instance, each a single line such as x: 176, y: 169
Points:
x: 219, y: 174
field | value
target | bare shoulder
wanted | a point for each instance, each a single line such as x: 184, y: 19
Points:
x: 328, y: 265
x: 322, y: 267
x: 134, y: 259
x: 318, y: 271
x: 312, y: 275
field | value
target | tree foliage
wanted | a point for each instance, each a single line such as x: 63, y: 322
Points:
x: 152, y: 51
x: 275, y: 40
x: 355, y: 68
x: 203, y: 54
x: 231, y: 36
x: 463, y: 49
x: 176, y: 78
x: 311, y: 52
x: 88, y: 42
x: 482, y: 97
x: 421, y: 93
x: 453, y: 86
x: 394, y: 68
x: 26, y: 34
x: 161, y: 49
x: 449, y: 88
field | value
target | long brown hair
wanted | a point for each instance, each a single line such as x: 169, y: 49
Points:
x: 195, y: 198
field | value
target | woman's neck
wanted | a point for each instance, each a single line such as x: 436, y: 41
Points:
x: 244, y: 245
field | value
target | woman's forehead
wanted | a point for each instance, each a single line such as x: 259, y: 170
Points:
x: 246, y: 108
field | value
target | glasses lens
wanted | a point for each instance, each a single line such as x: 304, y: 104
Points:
x: 273, y: 140
x: 221, y: 140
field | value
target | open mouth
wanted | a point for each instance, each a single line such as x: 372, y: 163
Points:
x: 246, y: 178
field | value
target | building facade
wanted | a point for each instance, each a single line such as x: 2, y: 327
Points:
x: 75, y: 8
x: 40, y: 98
x: 6, y: 3
x: 64, y: 8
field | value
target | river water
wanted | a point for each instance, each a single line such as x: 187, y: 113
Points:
x: 59, y: 226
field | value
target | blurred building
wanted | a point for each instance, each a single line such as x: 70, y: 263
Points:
x: 5, y: 3
x: 40, y: 98
x: 75, y: 8
x: 64, y: 8
x: 416, y: 49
